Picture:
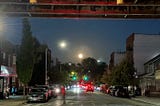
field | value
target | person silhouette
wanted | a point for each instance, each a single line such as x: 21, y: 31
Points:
x: 63, y: 92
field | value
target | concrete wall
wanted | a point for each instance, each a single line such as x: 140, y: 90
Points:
x: 145, y: 48
x: 119, y: 56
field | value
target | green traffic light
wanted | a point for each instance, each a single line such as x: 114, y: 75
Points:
x: 85, y: 78
x: 74, y: 78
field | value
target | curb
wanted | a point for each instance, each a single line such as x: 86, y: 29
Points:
x: 145, y: 101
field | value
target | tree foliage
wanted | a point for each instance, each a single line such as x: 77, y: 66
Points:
x: 123, y: 74
x: 105, y: 77
x: 38, y: 75
x: 90, y: 65
x: 100, y: 71
x: 57, y: 74
x: 25, y: 56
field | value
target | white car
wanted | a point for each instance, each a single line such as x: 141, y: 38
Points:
x: 37, y: 95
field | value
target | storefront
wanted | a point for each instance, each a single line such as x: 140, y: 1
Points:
x: 7, y: 79
x: 151, y: 80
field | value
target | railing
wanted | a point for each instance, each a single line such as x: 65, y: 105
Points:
x: 80, y: 9
x: 103, y: 2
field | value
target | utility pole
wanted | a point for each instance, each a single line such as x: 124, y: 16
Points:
x: 46, y: 66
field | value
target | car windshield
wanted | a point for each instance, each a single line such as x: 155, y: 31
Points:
x: 42, y: 86
x: 37, y: 90
x: 85, y: 52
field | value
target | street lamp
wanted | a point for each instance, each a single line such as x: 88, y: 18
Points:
x: 80, y: 56
x: 46, y: 68
x: 1, y: 31
x: 98, y: 61
x: 63, y: 44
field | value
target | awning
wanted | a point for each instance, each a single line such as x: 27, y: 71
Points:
x: 7, y: 71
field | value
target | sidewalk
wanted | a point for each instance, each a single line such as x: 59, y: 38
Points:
x: 151, y: 100
x: 13, y: 101
x: 16, y: 97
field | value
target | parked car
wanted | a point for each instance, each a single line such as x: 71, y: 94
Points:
x: 55, y: 91
x: 103, y: 88
x: 109, y: 89
x: 138, y: 91
x: 38, y: 94
x: 112, y: 90
x: 117, y: 90
x: 47, y: 88
x: 89, y: 87
x: 121, y: 91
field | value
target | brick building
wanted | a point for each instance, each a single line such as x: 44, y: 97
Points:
x: 8, y: 76
x: 116, y: 58
x: 143, y: 52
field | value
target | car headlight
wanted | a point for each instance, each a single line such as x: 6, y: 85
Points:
x: 57, y: 90
x: 28, y: 96
x: 41, y: 96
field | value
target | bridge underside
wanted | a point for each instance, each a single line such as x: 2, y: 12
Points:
x: 82, y: 9
x: 112, y: 16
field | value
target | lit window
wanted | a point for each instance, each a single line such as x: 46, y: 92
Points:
x: 33, y: 1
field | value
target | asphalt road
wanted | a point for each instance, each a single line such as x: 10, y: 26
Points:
x: 89, y: 99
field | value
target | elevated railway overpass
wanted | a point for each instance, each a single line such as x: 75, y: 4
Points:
x: 81, y: 8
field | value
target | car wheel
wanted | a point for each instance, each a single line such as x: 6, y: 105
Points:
x: 55, y: 96
x: 44, y: 99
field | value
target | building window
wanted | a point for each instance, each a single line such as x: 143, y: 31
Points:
x: 14, y: 60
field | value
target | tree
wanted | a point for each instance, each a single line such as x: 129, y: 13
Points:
x: 105, y: 77
x: 38, y: 75
x: 90, y: 66
x: 123, y: 74
x: 59, y: 73
x: 25, y: 56
x: 100, y: 71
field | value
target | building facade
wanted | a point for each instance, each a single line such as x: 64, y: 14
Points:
x: 151, y: 79
x: 116, y: 58
x: 8, y: 76
x: 141, y: 48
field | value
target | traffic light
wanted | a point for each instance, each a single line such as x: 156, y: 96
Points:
x: 74, y: 78
x: 73, y: 75
x: 85, y: 77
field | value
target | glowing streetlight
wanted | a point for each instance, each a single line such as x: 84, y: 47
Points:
x: 62, y: 44
x: 80, y: 55
x: 98, y: 61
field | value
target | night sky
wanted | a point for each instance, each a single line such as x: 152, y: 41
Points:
x: 96, y: 38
